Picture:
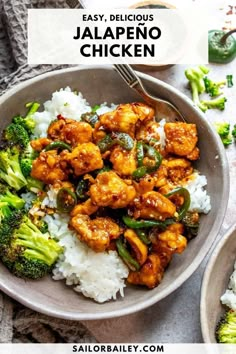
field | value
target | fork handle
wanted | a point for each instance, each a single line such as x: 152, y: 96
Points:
x: 130, y: 77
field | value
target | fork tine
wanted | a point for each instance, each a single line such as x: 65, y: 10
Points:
x: 127, y: 74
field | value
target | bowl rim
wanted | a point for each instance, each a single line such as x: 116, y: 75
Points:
x: 206, y: 277
x: 60, y: 313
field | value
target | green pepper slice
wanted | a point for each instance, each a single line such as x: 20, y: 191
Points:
x: 105, y: 144
x: 152, y: 153
x: 81, y: 190
x: 66, y: 200
x: 121, y: 139
x: 126, y: 256
x: 139, y: 172
x: 141, y: 224
x: 140, y: 153
x: 221, y: 46
x: 58, y: 145
x: 90, y: 117
x: 187, y: 200
x: 143, y: 236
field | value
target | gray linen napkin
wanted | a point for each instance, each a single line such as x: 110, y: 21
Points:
x: 18, y: 324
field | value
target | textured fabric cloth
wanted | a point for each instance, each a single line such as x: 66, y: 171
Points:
x: 13, y: 41
x: 18, y: 324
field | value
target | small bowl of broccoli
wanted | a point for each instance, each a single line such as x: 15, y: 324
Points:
x: 218, y: 320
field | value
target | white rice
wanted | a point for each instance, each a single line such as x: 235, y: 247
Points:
x: 161, y: 132
x: 50, y: 199
x: 104, y: 108
x: 28, y: 197
x: 64, y: 102
x: 100, y: 276
x: 200, y: 200
x: 229, y: 297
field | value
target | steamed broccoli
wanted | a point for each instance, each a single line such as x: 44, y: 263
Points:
x: 33, y: 184
x: 24, y: 249
x: 16, y: 134
x: 213, y: 88
x: 12, y: 200
x: 10, y: 171
x: 4, y: 210
x: 223, y: 129
x: 234, y: 132
x: 26, y: 159
x: 226, y: 328
x: 199, y: 84
x: 218, y: 103
x: 28, y: 122
x: 196, y: 80
x: 27, y: 156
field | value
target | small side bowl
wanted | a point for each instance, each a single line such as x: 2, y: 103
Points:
x: 215, y: 282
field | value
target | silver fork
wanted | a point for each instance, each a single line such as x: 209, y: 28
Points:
x: 163, y: 108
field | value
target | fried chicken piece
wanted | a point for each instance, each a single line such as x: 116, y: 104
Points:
x: 70, y: 131
x: 124, y: 118
x: 84, y: 158
x: 96, y: 233
x: 147, y: 130
x: 40, y: 144
x: 160, y: 176
x: 145, y: 184
x: 153, y: 205
x: 178, y: 169
x: 110, y: 190
x: 181, y: 139
x: 167, y: 243
x: 150, y: 274
x: 85, y: 208
x: 47, y: 168
x: 124, y: 161
x: 63, y: 184
x: 170, y: 240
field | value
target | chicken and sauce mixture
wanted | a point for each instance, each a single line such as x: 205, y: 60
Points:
x: 123, y: 189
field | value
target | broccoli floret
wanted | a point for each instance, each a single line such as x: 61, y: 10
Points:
x: 33, y: 184
x: 10, y: 171
x: 26, y: 166
x: 200, y: 84
x: 223, y: 129
x: 12, y: 200
x: 226, y: 328
x: 196, y: 80
x: 213, y: 88
x: 16, y: 134
x: 41, y: 225
x: 28, y: 155
x: 234, y: 132
x: 217, y: 103
x: 5, y: 210
x: 28, y: 122
x: 24, y: 249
